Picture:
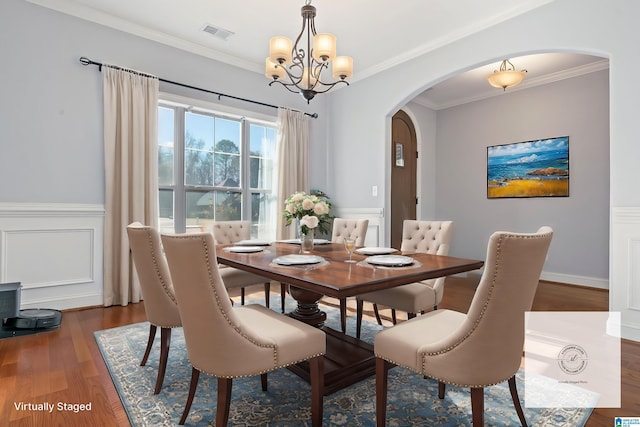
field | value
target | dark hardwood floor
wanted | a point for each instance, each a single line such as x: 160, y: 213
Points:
x: 65, y: 365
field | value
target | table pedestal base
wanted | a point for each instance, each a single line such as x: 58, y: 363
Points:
x: 347, y: 361
x: 307, y: 310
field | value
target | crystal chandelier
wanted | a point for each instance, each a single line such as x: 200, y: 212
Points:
x: 300, y: 70
x: 507, y: 76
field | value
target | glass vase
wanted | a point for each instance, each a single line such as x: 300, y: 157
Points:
x: 306, y: 240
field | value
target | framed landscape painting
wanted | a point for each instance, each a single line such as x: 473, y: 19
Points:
x: 529, y: 169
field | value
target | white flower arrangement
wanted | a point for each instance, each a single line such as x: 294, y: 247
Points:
x: 312, y: 211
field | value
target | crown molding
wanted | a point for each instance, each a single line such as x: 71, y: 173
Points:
x: 527, y: 84
x: 98, y: 17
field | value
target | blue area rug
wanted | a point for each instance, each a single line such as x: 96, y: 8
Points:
x: 412, y: 400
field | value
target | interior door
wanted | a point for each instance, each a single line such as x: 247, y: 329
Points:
x: 404, y: 155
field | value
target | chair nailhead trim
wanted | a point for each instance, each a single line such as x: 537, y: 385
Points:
x: 275, y: 368
x: 440, y: 379
x: 167, y: 291
x: 486, y: 303
x: 239, y: 331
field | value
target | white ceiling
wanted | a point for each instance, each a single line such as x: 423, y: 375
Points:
x: 368, y: 30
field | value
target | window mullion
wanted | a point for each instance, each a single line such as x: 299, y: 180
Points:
x: 180, y: 198
x: 245, y: 182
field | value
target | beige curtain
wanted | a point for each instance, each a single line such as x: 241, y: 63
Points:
x: 131, y: 177
x: 293, y: 162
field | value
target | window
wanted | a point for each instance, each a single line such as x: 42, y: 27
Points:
x: 215, y: 167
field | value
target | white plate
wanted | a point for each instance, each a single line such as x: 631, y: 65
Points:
x: 244, y: 249
x: 315, y: 241
x: 253, y: 243
x: 375, y: 251
x: 298, y: 259
x: 390, y: 260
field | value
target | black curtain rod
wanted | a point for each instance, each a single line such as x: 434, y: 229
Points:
x: 86, y: 61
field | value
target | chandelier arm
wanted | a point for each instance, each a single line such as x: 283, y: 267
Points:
x: 285, y: 85
x: 296, y: 52
x: 330, y: 85
x: 295, y: 80
x: 316, y: 70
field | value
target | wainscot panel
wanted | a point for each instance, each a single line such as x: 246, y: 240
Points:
x: 625, y: 266
x: 375, y: 232
x: 55, y: 251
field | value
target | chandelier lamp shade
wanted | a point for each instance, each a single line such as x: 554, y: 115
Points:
x: 299, y: 65
x: 506, y: 76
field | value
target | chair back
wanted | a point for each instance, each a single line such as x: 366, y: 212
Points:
x: 431, y: 237
x: 349, y: 228
x: 217, y: 342
x: 226, y: 232
x: 153, y: 272
x: 428, y: 237
x: 487, y: 348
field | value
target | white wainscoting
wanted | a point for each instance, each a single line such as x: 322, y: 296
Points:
x: 624, y: 294
x: 55, y: 251
x: 375, y: 232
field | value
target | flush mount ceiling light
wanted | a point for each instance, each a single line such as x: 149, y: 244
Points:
x: 506, y: 76
x: 298, y: 69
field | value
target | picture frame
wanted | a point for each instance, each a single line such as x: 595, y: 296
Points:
x: 537, y: 168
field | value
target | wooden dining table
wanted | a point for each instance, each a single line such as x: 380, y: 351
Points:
x: 347, y: 359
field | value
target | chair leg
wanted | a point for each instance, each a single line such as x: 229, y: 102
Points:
x: 516, y: 401
x: 263, y: 380
x: 152, y: 336
x: 195, y: 375
x: 359, y: 309
x: 343, y: 315
x: 441, y: 389
x: 394, y: 320
x: 375, y: 311
x: 316, y: 373
x: 165, y: 343
x: 241, y: 296
x: 382, y: 371
x: 283, y: 295
x: 477, y: 406
x: 411, y: 316
x: 267, y: 293
x: 224, y: 401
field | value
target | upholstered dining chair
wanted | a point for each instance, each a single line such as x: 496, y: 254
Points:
x: 225, y: 232
x: 230, y: 342
x: 478, y: 349
x: 159, y: 300
x: 431, y: 237
x: 342, y: 229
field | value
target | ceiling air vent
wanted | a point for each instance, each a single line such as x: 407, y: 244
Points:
x: 217, y: 32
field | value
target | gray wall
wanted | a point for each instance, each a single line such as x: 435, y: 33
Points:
x: 366, y: 126
x: 578, y: 107
x: 51, y: 147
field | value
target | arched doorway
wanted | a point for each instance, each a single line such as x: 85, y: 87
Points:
x: 404, y: 155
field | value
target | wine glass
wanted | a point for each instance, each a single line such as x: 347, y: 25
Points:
x: 350, y: 245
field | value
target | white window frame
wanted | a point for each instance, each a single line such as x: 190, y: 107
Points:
x: 246, y: 118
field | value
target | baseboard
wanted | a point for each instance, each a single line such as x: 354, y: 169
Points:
x: 66, y: 303
x: 588, y: 282
x: 630, y: 332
